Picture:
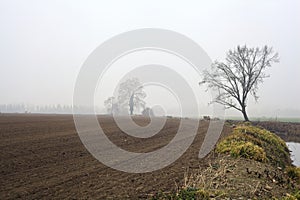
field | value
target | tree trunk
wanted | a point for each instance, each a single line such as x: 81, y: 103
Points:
x: 131, y: 104
x: 245, y: 114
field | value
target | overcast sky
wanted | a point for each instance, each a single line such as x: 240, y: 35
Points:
x: 44, y: 43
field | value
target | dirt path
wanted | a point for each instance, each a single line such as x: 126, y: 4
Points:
x: 43, y: 157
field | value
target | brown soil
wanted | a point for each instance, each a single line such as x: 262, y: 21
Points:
x: 288, y: 131
x: 43, y: 157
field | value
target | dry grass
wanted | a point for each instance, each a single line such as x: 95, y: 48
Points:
x: 228, y: 177
x: 213, y: 179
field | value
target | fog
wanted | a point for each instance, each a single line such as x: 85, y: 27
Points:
x: 45, y: 43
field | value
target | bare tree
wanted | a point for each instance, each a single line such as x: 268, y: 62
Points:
x: 131, y: 94
x: 111, y: 105
x: 239, y: 76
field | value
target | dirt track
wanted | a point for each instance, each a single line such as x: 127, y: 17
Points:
x: 43, y: 157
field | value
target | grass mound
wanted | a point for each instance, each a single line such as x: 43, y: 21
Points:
x: 255, y: 143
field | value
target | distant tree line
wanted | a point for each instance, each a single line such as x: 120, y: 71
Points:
x: 54, y: 108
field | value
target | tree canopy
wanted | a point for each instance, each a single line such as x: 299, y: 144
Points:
x: 130, y: 97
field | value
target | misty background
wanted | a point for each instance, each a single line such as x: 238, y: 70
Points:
x: 44, y: 44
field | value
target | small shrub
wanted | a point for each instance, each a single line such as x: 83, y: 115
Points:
x: 206, y: 118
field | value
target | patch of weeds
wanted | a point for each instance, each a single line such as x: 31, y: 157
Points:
x: 293, y: 173
x: 193, y: 193
x: 184, y: 194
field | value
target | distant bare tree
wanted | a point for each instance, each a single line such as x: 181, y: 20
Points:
x: 111, y: 105
x: 239, y: 76
x: 131, y: 94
